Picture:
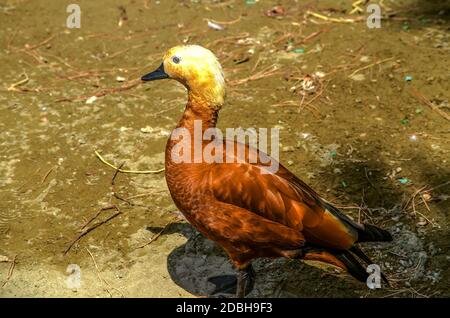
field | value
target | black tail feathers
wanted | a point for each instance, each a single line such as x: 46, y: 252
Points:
x: 354, y: 267
x: 358, y: 252
x: 371, y: 233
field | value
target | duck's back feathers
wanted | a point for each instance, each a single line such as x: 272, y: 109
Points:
x: 281, y: 197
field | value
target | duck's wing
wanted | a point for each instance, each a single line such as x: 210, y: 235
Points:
x: 245, y: 235
x: 281, y: 197
x: 306, y: 190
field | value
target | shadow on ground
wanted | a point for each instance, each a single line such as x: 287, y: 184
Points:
x: 191, y: 264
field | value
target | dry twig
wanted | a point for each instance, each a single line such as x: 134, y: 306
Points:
x: 93, y: 227
x: 157, y: 235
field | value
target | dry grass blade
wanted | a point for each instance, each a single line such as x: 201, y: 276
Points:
x: 10, y: 271
x: 141, y: 195
x: 269, y: 71
x: 231, y: 39
x: 125, y: 50
x: 119, y: 169
x: 13, y: 87
x: 301, y: 105
x: 311, y: 36
x: 33, y: 47
x: 226, y: 22
x: 338, y: 20
x: 428, y: 103
x: 103, y: 92
x: 405, y: 206
x: 370, y: 65
x: 412, y: 202
x: 101, y: 278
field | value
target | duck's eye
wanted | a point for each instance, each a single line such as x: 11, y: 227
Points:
x: 176, y: 59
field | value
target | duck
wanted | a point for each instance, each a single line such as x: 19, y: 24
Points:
x: 249, y: 210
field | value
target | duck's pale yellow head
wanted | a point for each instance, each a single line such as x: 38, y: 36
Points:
x: 197, y: 68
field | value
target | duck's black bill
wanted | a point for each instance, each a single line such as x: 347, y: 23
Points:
x: 155, y: 75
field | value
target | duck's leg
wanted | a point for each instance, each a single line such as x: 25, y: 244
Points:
x: 230, y: 285
x: 245, y: 281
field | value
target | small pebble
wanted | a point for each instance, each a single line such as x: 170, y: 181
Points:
x: 358, y: 77
x: 215, y: 26
x: 146, y: 130
x: 422, y: 222
x: 288, y: 148
x: 319, y: 74
x: 91, y: 99
x: 305, y: 135
x: 413, y: 138
x: 364, y: 59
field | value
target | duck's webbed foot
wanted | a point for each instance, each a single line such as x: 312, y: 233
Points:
x: 230, y: 286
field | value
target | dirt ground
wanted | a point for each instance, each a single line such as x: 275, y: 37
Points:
x: 371, y: 134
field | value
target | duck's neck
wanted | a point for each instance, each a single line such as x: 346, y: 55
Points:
x: 199, y: 108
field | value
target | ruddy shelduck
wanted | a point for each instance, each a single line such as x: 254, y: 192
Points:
x: 249, y: 211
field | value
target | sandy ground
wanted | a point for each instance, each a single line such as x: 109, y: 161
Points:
x: 370, y: 136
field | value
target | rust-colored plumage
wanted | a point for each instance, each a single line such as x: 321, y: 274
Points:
x: 249, y: 213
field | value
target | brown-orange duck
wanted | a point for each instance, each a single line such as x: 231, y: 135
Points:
x: 244, y: 207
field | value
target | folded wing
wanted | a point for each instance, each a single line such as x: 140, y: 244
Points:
x: 281, y: 197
